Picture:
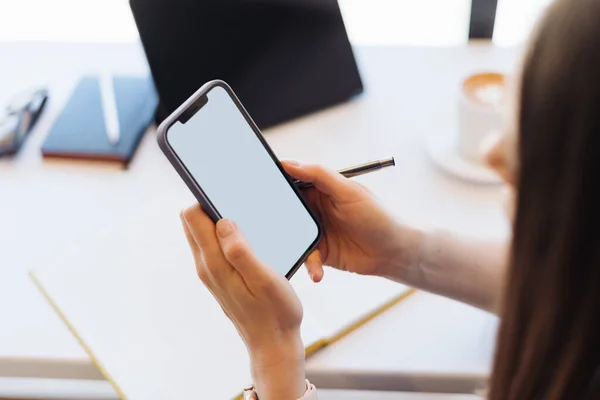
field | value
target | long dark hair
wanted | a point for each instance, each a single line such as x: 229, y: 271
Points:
x: 549, y: 340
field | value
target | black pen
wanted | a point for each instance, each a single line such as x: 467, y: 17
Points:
x: 356, y: 170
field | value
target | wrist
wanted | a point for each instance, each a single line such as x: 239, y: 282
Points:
x: 278, y: 368
x: 406, y: 258
x: 275, y: 350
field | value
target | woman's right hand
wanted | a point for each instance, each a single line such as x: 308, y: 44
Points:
x: 358, y: 234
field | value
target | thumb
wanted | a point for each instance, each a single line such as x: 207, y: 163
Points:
x: 236, y: 249
x: 325, y: 180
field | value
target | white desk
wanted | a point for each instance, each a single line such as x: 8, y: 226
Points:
x: 47, y: 206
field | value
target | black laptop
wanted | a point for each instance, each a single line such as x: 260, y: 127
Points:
x: 283, y: 58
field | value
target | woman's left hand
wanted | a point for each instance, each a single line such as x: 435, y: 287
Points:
x: 261, y: 303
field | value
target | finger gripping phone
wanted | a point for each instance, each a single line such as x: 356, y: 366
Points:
x: 221, y: 155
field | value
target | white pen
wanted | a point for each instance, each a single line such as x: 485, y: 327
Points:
x: 109, y: 107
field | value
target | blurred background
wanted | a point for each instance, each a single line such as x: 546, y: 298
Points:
x: 368, y: 22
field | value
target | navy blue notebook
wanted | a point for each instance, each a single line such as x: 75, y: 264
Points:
x: 80, y: 131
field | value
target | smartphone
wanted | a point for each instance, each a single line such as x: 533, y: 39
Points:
x: 221, y: 155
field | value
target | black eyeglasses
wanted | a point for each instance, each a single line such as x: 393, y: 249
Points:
x: 21, y: 116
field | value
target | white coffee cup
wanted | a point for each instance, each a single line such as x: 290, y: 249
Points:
x: 479, y: 112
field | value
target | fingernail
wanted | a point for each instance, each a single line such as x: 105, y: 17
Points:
x: 225, y: 228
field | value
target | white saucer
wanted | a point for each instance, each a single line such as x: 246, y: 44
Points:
x: 442, y: 150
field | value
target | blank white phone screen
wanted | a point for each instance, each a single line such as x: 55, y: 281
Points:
x: 223, y: 154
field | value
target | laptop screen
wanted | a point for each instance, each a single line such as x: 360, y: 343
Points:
x: 283, y: 58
